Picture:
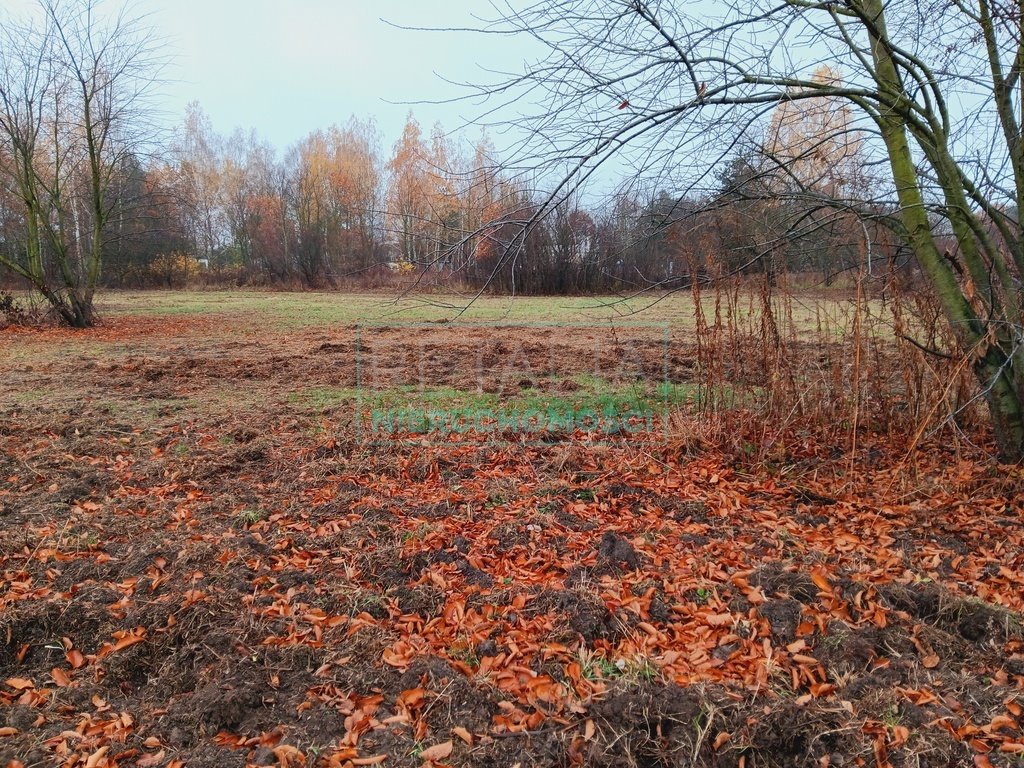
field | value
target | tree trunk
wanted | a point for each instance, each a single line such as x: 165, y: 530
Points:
x: 995, y: 372
x: 998, y: 372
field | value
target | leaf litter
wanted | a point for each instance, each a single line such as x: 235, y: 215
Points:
x: 192, y: 582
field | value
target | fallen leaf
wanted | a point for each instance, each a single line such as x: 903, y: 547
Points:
x: 150, y: 760
x: 821, y: 581
x: 438, y: 751
x: 95, y: 757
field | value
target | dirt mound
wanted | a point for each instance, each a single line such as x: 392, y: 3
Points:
x: 204, y: 562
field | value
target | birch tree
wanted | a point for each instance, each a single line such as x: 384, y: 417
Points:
x: 73, y: 85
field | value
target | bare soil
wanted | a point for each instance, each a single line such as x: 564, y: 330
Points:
x: 201, y: 565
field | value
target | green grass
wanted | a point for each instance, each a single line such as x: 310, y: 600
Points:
x: 594, y: 395
x: 807, y: 318
x: 445, y: 409
x: 297, y: 310
x: 312, y: 309
x: 261, y: 323
x: 417, y: 405
x: 33, y: 396
x: 322, y: 398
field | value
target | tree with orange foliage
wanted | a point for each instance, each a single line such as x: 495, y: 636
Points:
x: 408, y: 201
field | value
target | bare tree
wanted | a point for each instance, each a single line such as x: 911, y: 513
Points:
x: 72, y: 109
x: 935, y: 92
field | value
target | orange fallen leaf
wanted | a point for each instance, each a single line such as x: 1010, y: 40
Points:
x: 720, y: 740
x: 413, y: 697
x: 821, y: 581
x: 394, y: 659
x: 465, y: 735
x: 123, y: 640
x: 19, y: 683
x: 95, y: 757
x: 801, y: 658
x: 647, y: 627
x: 1002, y: 722
x: 150, y: 760
x: 438, y: 751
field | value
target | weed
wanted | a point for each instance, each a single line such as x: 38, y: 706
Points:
x: 496, y: 500
x: 322, y: 398
x: 833, y: 641
x: 641, y: 670
x: 250, y: 516
x: 465, y: 653
x: 365, y: 601
x: 82, y: 542
x: 419, y: 533
x: 596, y: 667
x: 891, y: 717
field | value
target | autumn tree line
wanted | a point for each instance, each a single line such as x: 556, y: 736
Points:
x: 338, y: 209
x: 93, y: 195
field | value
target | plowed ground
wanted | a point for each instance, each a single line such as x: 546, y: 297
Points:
x: 202, y: 565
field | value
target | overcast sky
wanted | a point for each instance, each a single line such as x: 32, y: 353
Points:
x: 287, y: 67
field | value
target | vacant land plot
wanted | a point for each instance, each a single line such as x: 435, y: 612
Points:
x: 210, y: 558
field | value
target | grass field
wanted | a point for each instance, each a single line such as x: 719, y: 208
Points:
x: 209, y: 561
x: 290, y: 310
